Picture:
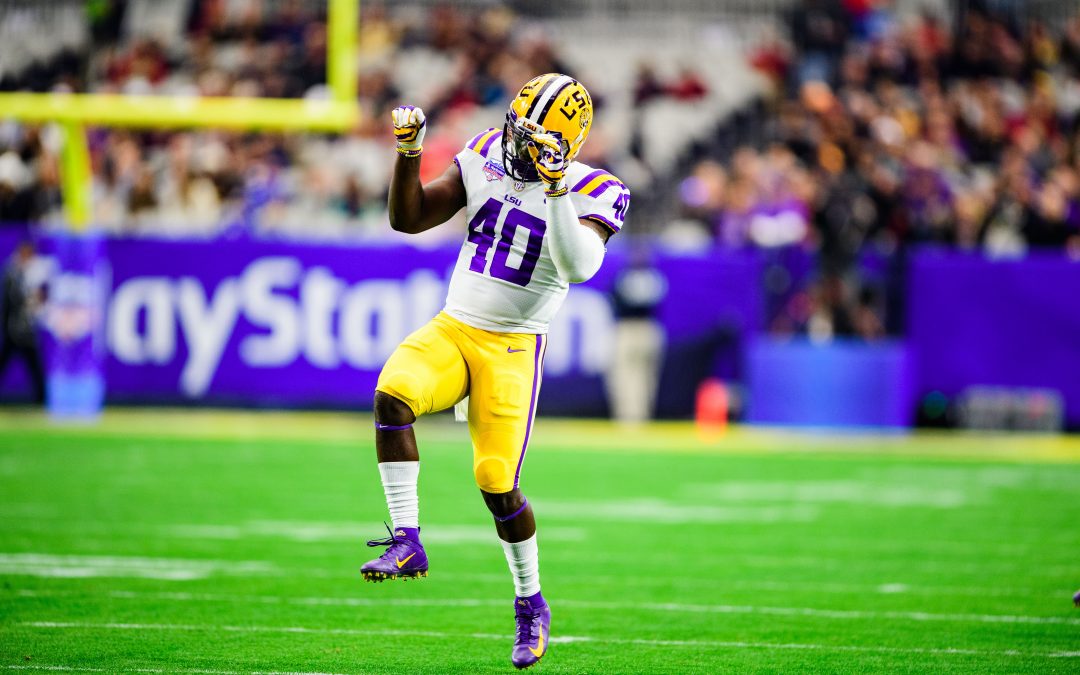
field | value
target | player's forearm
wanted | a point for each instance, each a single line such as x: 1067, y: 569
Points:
x: 406, y: 199
x: 575, y: 249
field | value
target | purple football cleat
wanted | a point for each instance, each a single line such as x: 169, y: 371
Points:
x: 1076, y: 599
x: 533, y: 617
x: 404, y: 559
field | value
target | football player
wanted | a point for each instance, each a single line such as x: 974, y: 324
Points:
x: 538, y: 221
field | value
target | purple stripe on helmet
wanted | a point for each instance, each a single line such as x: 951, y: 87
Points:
x: 515, y: 514
x: 599, y: 189
x: 587, y: 179
x: 484, y: 150
x: 538, y: 367
x: 602, y: 220
x: 391, y: 427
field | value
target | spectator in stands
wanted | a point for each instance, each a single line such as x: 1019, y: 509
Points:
x: 907, y: 148
x: 16, y: 193
x: 819, y: 31
x: 894, y: 132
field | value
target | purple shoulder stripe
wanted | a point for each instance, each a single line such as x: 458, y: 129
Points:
x: 599, y: 189
x: 585, y: 181
x: 476, y: 139
x: 490, y: 141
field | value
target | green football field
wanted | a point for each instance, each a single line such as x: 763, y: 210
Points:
x: 228, y: 542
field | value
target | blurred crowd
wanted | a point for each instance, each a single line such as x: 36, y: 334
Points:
x: 304, y: 185
x: 882, y: 132
x: 887, y: 132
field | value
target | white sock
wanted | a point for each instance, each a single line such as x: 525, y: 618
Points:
x: 399, y: 484
x: 524, y: 561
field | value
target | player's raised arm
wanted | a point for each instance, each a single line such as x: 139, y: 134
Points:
x: 414, y: 207
x: 576, y: 245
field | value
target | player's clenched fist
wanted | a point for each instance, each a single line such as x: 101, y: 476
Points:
x: 409, y: 127
x: 550, y: 160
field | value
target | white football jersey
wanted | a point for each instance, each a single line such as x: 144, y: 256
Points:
x: 504, y: 279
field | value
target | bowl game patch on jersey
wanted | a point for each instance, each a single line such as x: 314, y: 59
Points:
x: 494, y: 170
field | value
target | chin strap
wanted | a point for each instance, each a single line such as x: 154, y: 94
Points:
x: 576, y: 250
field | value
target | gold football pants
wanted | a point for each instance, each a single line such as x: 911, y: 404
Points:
x: 447, y: 360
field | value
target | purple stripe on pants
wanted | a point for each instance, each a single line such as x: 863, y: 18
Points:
x: 538, y: 367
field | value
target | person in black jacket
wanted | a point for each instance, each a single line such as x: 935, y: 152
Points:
x: 17, y: 309
x: 633, y: 377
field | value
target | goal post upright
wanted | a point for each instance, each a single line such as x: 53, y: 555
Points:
x: 76, y: 175
x: 342, y: 23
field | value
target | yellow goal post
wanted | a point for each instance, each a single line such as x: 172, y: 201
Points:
x: 73, y: 112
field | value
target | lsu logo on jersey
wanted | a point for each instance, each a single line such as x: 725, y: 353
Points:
x: 494, y: 170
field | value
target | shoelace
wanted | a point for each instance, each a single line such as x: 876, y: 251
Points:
x: 391, y: 541
x: 525, y: 621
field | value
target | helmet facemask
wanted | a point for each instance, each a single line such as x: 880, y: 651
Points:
x: 516, y: 139
x: 517, y: 142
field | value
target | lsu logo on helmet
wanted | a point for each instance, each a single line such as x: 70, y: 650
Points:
x: 552, y: 103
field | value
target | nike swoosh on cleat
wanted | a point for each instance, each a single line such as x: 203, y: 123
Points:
x: 513, y: 351
x: 402, y: 562
x: 539, y: 650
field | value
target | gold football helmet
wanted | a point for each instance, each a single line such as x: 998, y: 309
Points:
x: 552, y: 103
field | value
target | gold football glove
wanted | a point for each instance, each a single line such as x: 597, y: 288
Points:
x: 547, y: 154
x: 409, y: 128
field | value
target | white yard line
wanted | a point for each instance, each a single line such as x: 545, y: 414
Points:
x: 899, y: 588
x: 885, y: 588
x: 667, y: 512
x: 277, y: 599
x: 842, y: 614
x: 835, y: 613
x: 297, y: 531
x: 87, y: 566
x: 873, y: 491
x: 318, y: 531
x: 179, y: 569
x: 1004, y: 555
x: 186, y: 671
x: 565, y: 639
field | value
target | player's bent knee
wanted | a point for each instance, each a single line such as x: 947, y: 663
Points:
x: 494, y: 475
x: 391, y: 410
x: 504, y: 505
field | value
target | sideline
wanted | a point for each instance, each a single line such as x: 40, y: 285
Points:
x: 554, y: 434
